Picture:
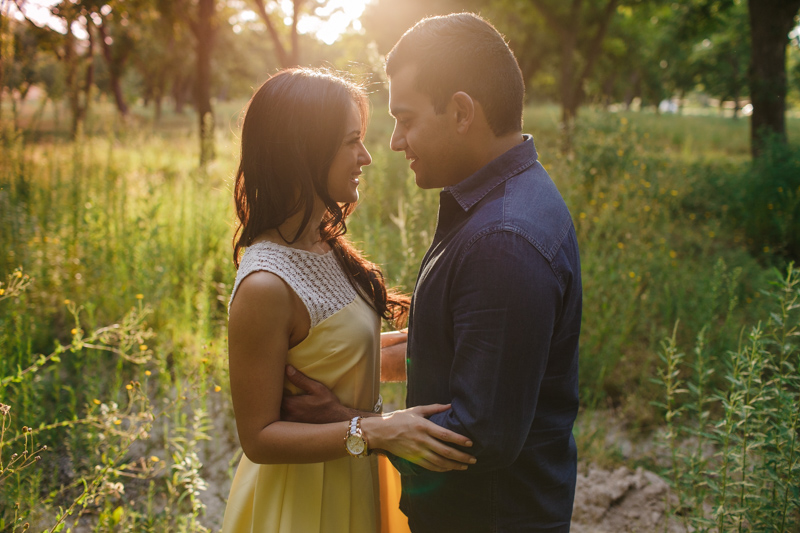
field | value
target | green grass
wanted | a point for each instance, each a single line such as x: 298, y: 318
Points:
x: 123, y: 225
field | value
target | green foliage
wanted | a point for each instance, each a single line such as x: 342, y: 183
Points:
x: 760, y: 201
x: 741, y: 468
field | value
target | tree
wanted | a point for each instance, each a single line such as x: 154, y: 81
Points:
x: 770, y: 24
x: 288, y: 55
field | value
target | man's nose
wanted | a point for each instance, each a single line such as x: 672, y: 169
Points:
x: 398, y: 141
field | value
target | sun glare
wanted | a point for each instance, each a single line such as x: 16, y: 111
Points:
x: 335, y: 18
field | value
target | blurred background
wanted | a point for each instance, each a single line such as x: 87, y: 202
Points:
x: 671, y: 128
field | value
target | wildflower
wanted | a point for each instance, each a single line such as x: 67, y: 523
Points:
x: 620, y: 152
x: 592, y: 202
x: 67, y: 302
x: 601, y: 195
x: 711, y: 234
x: 780, y: 189
x: 74, y: 331
x: 139, y: 296
x: 769, y: 206
x: 643, y: 167
x: 673, y: 254
x: 647, y: 209
x: 631, y: 274
x: 582, y: 215
x: 673, y: 192
x: 766, y: 249
x: 147, y: 373
x: 96, y: 401
x: 692, y: 216
x: 18, y: 273
x: 117, y: 422
x: 620, y: 245
x: 129, y: 386
x: 2, y: 292
x: 142, y: 347
x: 217, y: 388
x: 623, y: 121
x: 154, y: 458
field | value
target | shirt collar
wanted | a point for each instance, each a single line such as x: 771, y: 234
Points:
x: 472, y: 189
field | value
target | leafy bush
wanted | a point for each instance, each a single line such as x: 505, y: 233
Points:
x: 742, y: 467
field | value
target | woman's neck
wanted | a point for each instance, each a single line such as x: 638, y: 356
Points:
x: 309, y: 240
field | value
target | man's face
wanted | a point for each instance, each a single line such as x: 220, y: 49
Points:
x: 428, y: 140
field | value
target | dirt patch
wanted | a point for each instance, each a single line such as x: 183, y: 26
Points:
x: 609, y: 501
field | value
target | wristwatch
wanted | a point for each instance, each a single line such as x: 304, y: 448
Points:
x: 354, y: 442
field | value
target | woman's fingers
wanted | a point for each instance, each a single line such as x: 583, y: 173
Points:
x: 428, y: 410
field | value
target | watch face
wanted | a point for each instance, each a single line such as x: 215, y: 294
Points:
x: 355, y: 444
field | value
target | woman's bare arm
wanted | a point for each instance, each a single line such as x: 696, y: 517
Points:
x: 263, y: 325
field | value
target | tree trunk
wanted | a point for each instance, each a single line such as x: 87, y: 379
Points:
x: 770, y: 23
x: 205, y: 42
x: 115, y: 68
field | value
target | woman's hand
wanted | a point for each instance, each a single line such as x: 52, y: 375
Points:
x: 410, y: 435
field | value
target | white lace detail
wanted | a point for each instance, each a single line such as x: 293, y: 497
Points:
x: 317, y: 279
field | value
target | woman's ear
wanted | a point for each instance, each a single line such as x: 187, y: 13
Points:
x: 463, y: 109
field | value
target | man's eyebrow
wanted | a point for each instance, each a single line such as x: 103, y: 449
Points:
x: 398, y: 111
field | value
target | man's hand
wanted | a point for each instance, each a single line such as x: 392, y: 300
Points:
x: 317, y: 406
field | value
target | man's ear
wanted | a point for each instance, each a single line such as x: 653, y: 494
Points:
x: 463, y: 109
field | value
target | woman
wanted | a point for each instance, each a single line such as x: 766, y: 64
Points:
x: 304, y: 297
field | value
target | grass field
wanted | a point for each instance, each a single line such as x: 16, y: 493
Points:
x: 115, y: 258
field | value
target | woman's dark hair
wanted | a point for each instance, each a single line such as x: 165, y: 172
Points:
x: 463, y: 52
x: 293, y: 128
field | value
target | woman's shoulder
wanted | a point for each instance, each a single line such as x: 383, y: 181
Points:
x: 258, y: 288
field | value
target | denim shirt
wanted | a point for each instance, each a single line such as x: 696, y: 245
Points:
x: 493, y: 330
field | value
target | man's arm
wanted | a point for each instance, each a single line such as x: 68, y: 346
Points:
x: 505, y: 299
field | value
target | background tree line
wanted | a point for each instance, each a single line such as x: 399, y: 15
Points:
x: 193, y: 52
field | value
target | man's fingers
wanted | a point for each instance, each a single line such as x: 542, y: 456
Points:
x: 300, y: 380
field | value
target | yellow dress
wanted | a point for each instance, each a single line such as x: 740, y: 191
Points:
x: 342, y: 351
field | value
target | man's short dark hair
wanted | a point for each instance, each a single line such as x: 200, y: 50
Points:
x: 463, y: 52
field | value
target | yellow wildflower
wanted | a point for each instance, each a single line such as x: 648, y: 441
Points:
x: 74, y: 331
x: 769, y: 206
x: 620, y: 245
x: 766, y: 249
x: 147, y: 373
x: 67, y: 302
x: 96, y: 401
x: 2, y: 292
x: 692, y: 216
x: 18, y: 273
x: 154, y: 458
x: 623, y: 121
x: 620, y: 152
x: 582, y: 215
x: 117, y: 422
x: 129, y: 386
x: 673, y: 254
x: 711, y: 234
x: 673, y: 192
x: 632, y: 274
x: 217, y: 388
x: 142, y: 347
x: 139, y: 296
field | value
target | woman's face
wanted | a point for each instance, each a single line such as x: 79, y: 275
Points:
x: 343, y: 175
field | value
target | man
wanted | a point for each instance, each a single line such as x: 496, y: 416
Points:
x: 495, y: 315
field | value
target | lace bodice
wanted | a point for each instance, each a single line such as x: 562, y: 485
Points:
x: 317, y: 279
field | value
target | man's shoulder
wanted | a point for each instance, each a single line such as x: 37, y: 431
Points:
x: 530, y: 205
